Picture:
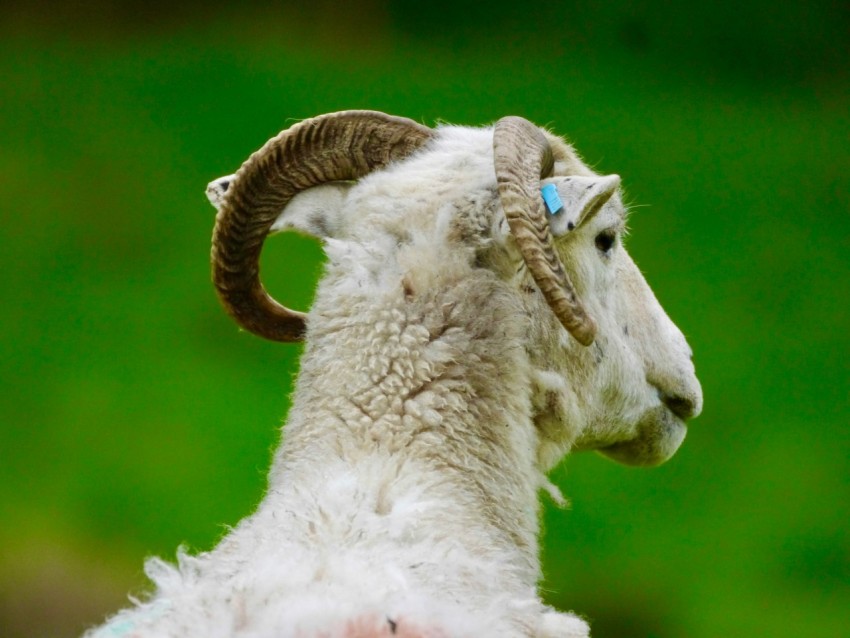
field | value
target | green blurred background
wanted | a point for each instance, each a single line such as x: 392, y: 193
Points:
x: 134, y: 416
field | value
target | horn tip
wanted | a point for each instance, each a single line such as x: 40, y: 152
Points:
x: 585, y: 333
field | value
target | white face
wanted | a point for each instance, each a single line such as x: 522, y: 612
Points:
x: 629, y: 393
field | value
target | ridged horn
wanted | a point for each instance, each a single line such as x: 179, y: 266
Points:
x: 336, y: 146
x: 522, y: 157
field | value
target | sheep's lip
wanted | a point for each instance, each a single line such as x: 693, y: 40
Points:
x: 659, y: 434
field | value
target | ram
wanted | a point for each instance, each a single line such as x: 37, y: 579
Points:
x: 464, y: 337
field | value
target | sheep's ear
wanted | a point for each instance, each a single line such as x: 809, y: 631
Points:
x: 316, y: 211
x: 581, y: 198
x: 217, y: 188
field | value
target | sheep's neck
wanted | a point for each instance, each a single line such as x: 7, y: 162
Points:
x: 435, y: 390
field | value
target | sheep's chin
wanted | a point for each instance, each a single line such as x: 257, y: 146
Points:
x: 659, y: 435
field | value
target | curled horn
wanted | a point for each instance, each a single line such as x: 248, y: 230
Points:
x: 522, y: 158
x: 337, y: 146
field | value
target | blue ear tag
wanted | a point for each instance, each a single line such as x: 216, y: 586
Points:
x: 551, y: 199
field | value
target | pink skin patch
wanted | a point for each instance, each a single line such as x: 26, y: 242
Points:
x: 376, y: 627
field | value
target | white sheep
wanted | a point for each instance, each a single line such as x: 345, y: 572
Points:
x: 460, y: 343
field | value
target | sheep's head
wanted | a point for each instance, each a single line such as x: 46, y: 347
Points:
x: 632, y: 389
x: 611, y: 371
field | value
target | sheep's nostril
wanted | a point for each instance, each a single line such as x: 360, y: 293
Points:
x: 680, y: 406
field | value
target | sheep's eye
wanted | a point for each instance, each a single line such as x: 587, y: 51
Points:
x: 605, y: 240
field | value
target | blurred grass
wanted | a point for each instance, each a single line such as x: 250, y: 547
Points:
x: 134, y: 417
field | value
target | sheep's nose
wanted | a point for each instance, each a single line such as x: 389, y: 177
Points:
x: 680, y: 393
x: 685, y: 406
x: 682, y: 407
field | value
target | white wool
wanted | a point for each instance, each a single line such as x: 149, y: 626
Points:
x: 436, y: 389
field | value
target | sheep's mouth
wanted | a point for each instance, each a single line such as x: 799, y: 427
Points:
x: 659, y: 434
